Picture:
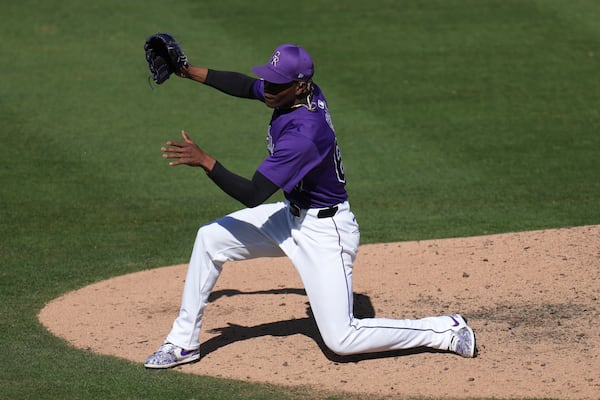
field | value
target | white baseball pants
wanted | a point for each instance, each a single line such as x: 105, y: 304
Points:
x: 323, y: 251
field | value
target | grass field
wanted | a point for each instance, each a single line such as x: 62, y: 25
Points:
x: 455, y: 118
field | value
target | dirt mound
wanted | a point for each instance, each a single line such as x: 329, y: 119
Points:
x: 531, y: 298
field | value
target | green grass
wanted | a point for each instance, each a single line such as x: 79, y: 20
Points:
x: 455, y: 118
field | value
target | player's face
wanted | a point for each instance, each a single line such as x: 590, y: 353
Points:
x: 280, y: 95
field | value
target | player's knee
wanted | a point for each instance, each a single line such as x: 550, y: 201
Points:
x: 205, y: 238
x: 204, y: 231
x: 210, y: 232
x: 338, y: 345
x: 215, y: 244
x: 340, y: 349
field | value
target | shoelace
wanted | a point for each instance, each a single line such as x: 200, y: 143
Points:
x: 166, y: 348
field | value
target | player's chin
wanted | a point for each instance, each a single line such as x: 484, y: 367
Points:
x: 271, y: 103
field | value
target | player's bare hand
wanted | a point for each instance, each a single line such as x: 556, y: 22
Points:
x: 187, y: 153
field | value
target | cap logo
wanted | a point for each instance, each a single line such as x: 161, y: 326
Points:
x: 275, y: 58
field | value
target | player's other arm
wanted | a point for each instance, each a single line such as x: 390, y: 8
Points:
x: 248, y: 192
x: 231, y: 83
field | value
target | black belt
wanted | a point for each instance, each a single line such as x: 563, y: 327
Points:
x: 323, y: 213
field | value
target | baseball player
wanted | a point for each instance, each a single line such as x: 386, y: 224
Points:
x: 314, y: 226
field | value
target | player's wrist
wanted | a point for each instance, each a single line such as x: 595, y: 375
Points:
x: 197, y: 74
x: 208, y: 164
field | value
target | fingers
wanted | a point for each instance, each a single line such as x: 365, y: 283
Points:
x: 186, y: 140
x: 172, y: 155
x: 180, y: 159
x: 185, y: 137
x: 173, y: 152
x: 178, y: 149
x: 185, y: 153
x: 172, y: 163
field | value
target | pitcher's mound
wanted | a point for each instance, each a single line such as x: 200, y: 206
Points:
x: 531, y: 298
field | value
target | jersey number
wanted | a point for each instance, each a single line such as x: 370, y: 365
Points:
x: 339, y: 165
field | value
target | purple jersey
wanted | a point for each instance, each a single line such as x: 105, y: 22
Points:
x: 304, y: 158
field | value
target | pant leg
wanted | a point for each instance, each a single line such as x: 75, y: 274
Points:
x: 326, y: 271
x: 245, y: 234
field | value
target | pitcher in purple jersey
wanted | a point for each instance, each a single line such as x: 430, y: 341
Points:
x: 314, y: 226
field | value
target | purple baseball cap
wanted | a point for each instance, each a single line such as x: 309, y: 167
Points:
x: 288, y: 63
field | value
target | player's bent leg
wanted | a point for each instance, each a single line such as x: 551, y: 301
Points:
x: 327, y: 277
x: 237, y: 236
x: 345, y: 335
x: 357, y: 336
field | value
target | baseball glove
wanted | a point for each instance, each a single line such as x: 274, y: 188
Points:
x: 164, y: 56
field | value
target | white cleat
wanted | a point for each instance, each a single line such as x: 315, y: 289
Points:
x: 170, y: 355
x: 463, y: 338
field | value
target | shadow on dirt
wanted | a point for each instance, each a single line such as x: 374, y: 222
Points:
x: 232, y: 333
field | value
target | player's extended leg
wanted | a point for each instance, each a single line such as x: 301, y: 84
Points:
x: 326, y: 272
x: 244, y: 234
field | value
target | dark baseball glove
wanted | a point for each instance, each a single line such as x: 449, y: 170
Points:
x: 164, y: 56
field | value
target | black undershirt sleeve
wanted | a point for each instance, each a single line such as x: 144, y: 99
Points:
x: 248, y: 192
x: 231, y: 83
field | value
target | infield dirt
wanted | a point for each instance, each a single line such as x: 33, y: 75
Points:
x: 531, y: 298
